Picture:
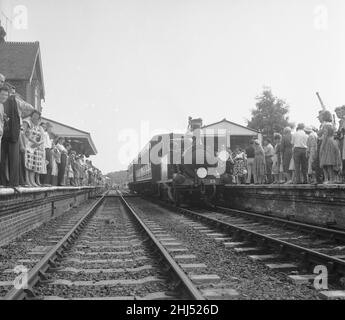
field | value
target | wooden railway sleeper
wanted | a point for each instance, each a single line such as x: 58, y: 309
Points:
x: 236, y: 235
x: 43, y: 276
x: 52, y: 263
x: 281, y: 249
x: 262, y: 242
x: 30, y: 294
x: 59, y: 254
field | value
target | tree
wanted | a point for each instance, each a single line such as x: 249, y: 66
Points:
x: 270, y: 115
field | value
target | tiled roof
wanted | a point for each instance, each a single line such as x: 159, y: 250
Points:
x: 17, y: 59
x: 233, y: 123
x: 63, y: 130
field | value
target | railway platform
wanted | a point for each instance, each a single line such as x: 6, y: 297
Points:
x: 23, y: 209
x: 322, y: 205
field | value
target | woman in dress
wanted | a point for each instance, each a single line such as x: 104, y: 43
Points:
x: 240, y: 169
x: 341, y: 136
x: 330, y: 158
x: 259, y: 163
x: 311, y: 153
x: 286, y: 153
x: 35, y: 162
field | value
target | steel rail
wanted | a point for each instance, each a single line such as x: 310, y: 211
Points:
x: 334, y: 264
x: 189, y: 287
x: 37, y: 273
x: 300, y: 226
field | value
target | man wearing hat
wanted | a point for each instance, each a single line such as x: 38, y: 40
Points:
x: 311, y: 153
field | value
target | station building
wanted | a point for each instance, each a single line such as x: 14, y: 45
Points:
x: 21, y: 64
x: 237, y: 134
x: 23, y: 209
x: 80, y: 141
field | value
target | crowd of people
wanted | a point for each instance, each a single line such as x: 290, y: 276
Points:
x: 31, y: 155
x: 308, y: 155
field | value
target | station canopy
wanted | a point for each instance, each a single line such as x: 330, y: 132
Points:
x: 81, y: 141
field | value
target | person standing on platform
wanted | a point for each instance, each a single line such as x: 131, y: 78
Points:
x: 45, y: 178
x: 277, y: 163
x: 55, y: 159
x: 230, y: 166
x: 239, y: 166
x: 4, y: 92
x: 330, y: 158
x: 68, y: 148
x: 75, y: 167
x: 259, y: 163
x: 71, y: 169
x: 311, y: 153
x: 22, y: 150
x: 325, y: 118
x: 269, y: 153
x: 299, y: 141
x: 341, y: 137
x: 15, y: 110
x: 62, y: 165
x: 286, y: 151
x: 250, y: 152
x: 35, y: 155
x: 82, y: 170
x: 52, y: 138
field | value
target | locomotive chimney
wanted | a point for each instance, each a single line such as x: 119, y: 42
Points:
x: 195, y: 124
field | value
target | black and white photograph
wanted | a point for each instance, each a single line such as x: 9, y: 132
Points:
x: 179, y: 156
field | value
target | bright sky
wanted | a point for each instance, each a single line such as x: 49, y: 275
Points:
x: 113, y: 65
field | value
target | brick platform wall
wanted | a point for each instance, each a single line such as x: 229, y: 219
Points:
x: 320, y: 205
x: 22, y: 217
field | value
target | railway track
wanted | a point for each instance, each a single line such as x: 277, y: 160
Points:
x: 109, y: 253
x: 276, y: 242
x: 224, y: 270
x: 25, y: 251
x: 115, y: 250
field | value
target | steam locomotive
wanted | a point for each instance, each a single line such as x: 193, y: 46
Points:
x: 180, y: 168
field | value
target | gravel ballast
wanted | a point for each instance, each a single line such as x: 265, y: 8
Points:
x: 253, y: 280
x: 109, y: 259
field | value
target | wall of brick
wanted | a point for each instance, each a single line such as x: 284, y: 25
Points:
x: 320, y: 205
x: 21, y: 217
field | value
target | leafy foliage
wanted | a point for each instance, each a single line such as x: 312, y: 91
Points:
x: 270, y: 115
